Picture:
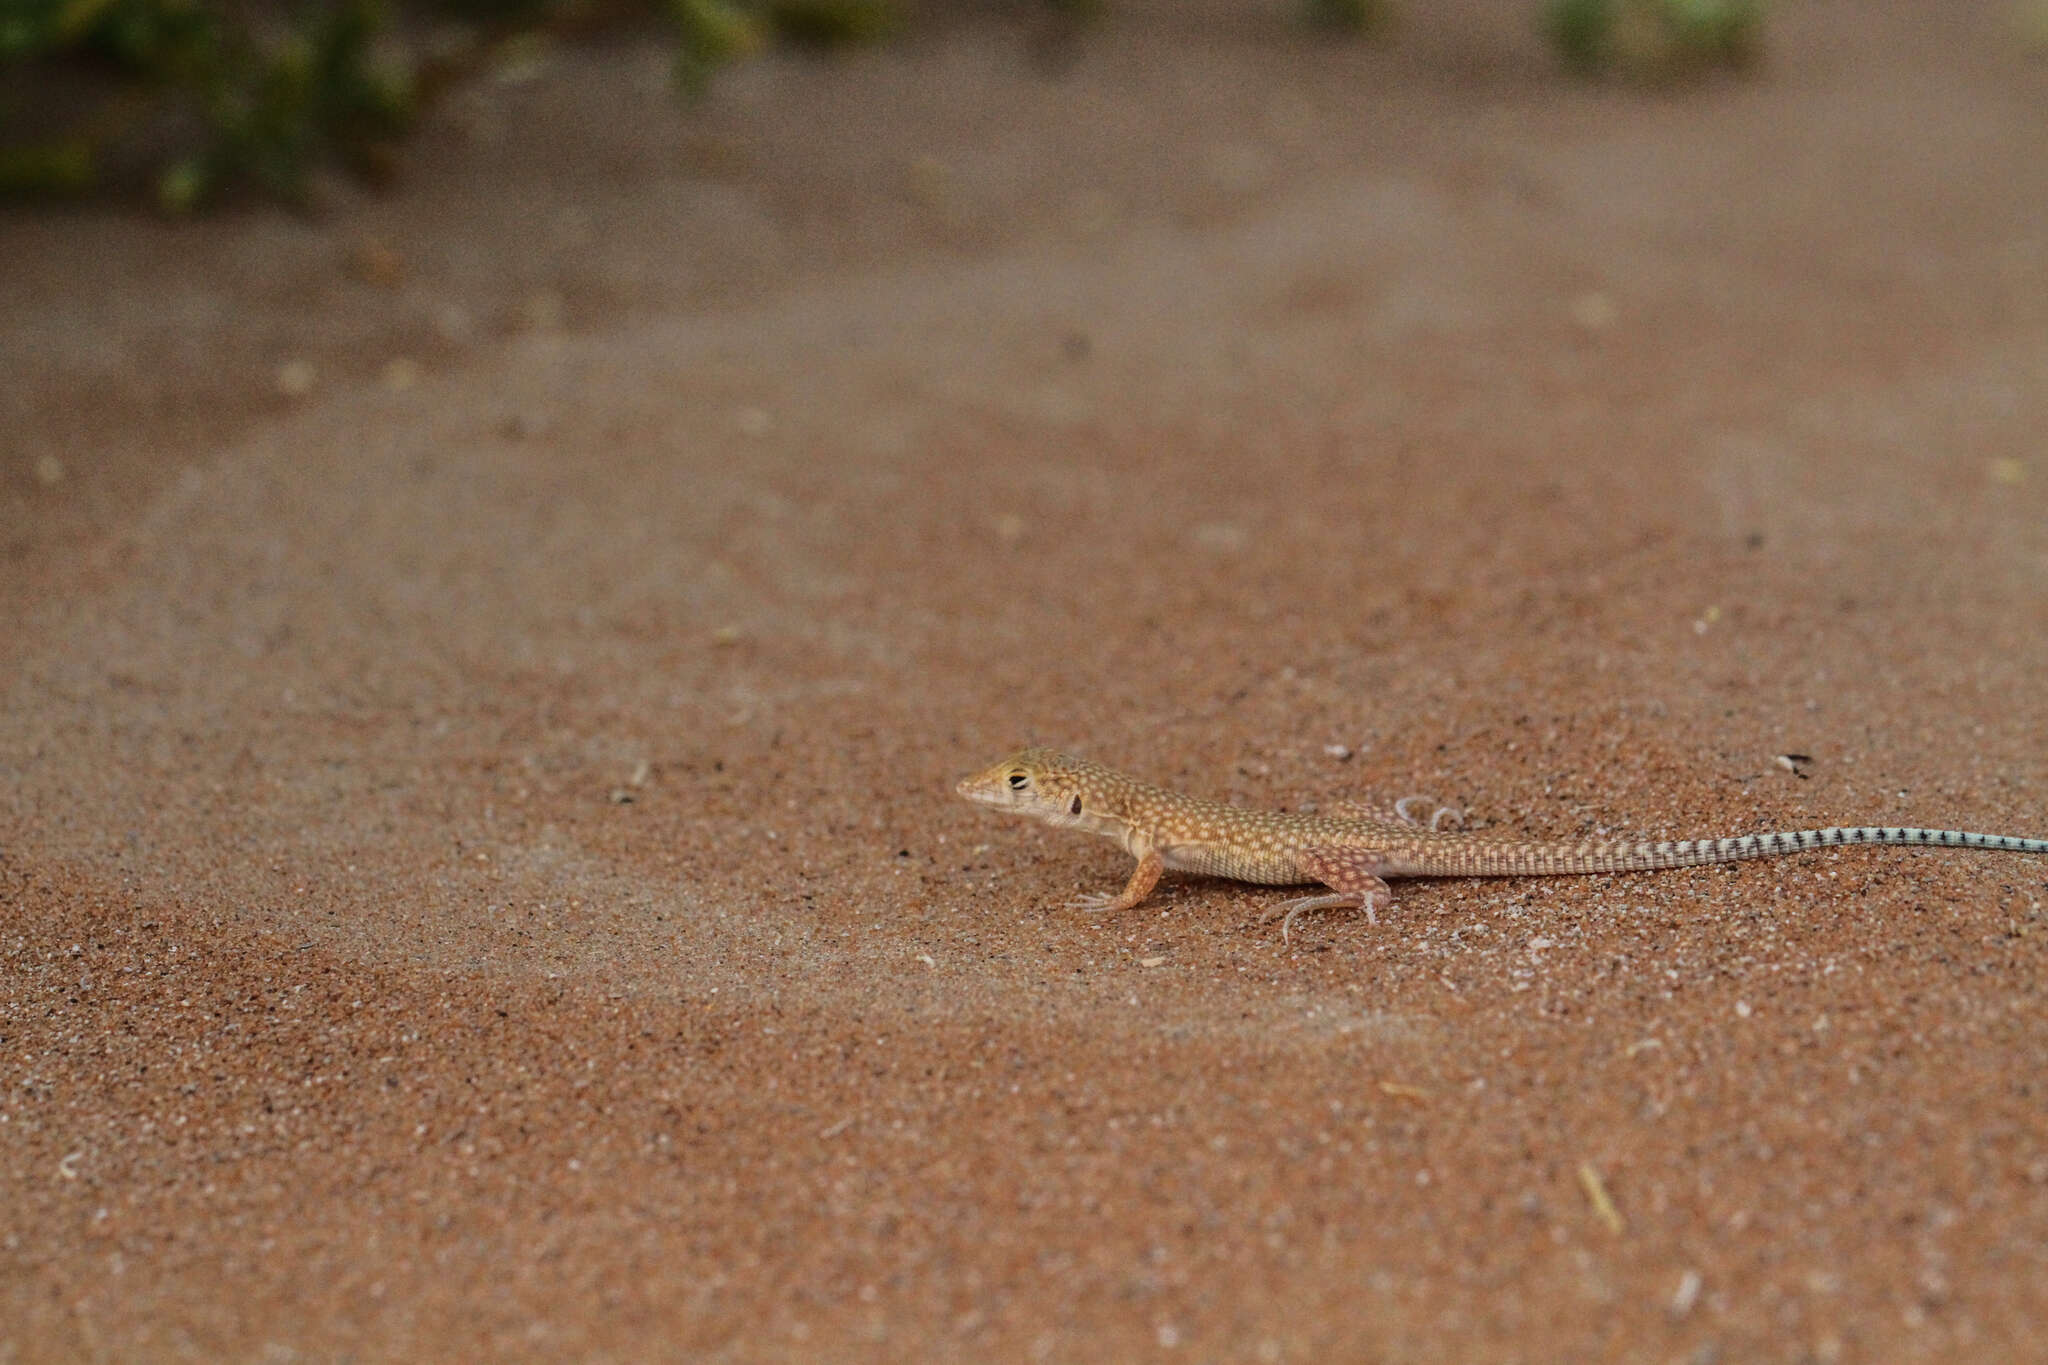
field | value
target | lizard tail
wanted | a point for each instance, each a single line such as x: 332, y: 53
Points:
x: 1481, y: 858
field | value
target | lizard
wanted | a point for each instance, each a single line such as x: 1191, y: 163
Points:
x: 1352, y: 856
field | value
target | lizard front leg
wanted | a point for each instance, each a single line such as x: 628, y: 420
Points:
x: 1144, y: 877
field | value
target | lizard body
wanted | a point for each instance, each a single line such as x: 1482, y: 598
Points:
x: 1353, y: 856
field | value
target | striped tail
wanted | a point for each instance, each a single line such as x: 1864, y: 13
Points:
x: 1481, y: 857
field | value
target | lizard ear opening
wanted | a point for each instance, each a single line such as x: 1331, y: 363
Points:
x: 1075, y: 808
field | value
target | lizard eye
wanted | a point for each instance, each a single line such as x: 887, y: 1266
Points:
x: 1075, y: 809
x: 1019, y: 781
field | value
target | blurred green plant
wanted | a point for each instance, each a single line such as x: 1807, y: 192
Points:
x: 200, y: 98
x: 1655, y: 39
x: 711, y: 33
x: 1346, y: 16
x: 229, y: 97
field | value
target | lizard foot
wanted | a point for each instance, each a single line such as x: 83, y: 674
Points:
x: 1144, y: 877
x: 1441, y: 817
x: 1286, y: 911
x: 1402, y: 812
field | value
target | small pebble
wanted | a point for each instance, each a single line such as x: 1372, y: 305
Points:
x: 454, y: 324
x: 1594, y: 311
x: 374, y: 261
x: 1221, y: 537
x: 295, y: 378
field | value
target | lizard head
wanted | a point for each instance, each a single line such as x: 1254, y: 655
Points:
x: 1047, y: 785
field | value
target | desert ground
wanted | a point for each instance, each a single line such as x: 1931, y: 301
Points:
x: 485, y: 666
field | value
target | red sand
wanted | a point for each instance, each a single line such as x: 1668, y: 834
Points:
x: 479, y: 866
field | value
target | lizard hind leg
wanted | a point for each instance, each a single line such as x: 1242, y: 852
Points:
x: 1352, y: 874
